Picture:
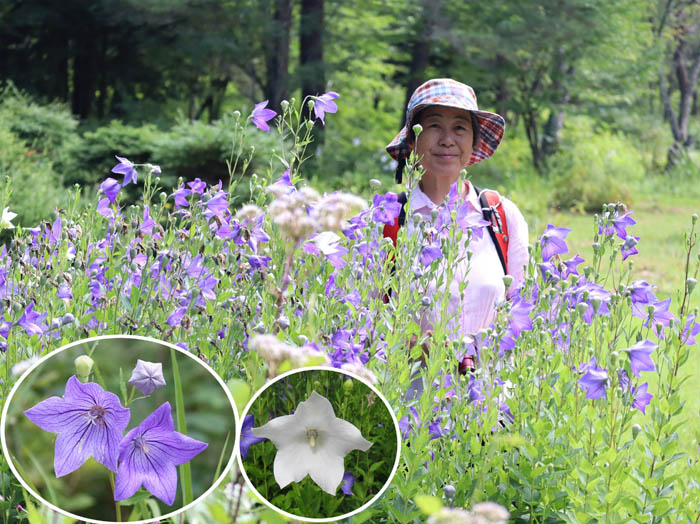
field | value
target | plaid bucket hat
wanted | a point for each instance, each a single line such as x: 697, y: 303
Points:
x: 450, y: 93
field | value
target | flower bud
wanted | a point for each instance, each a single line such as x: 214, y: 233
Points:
x: 83, y: 367
x: 284, y: 104
x: 690, y: 285
x: 163, y: 196
x: 68, y: 318
x: 694, y: 218
x: 348, y: 384
x: 426, y: 301
x: 507, y: 280
x: 595, y: 302
x: 236, y: 114
x: 635, y: 430
x: 449, y: 491
x: 588, y: 271
x: 374, y: 183
x: 417, y: 129
x: 581, y: 308
x: 283, y: 322
x: 310, y: 105
x: 259, y: 328
x: 596, y: 247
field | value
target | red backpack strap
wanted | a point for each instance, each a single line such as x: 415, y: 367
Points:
x: 392, y: 230
x: 493, y: 211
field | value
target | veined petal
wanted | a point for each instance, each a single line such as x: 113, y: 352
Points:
x: 344, y: 437
x: 127, y: 482
x: 326, y: 469
x: 315, y: 412
x: 292, y: 462
x: 173, y: 446
x: 69, y: 454
x: 163, y: 484
x: 52, y: 414
x: 281, y: 430
x: 161, y: 418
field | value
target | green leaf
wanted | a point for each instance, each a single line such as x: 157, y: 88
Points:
x: 428, y: 504
x: 240, y: 390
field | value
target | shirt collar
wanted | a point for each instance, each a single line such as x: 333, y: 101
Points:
x: 420, y: 200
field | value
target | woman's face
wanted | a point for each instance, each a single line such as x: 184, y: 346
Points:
x: 445, y: 144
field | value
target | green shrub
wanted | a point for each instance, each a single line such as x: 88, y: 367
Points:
x: 592, y: 167
x: 47, y: 128
x: 35, y: 188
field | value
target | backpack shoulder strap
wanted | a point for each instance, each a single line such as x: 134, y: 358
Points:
x: 392, y: 230
x: 492, y: 209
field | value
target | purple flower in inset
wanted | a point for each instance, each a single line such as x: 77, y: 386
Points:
x: 110, y: 188
x: 552, y: 241
x: 347, y: 483
x: 640, y: 359
x: 126, y: 168
x: 629, y: 247
x: 324, y: 104
x: 642, y: 397
x: 89, y: 422
x: 148, y: 455
x: 386, y: 208
x: 594, y: 382
x: 260, y: 116
x: 147, y: 376
x: 247, y: 437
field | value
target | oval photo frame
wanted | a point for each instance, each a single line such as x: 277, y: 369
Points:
x: 224, y: 445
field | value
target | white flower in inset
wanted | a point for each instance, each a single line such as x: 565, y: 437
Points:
x: 312, y: 441
x: 147, y: 376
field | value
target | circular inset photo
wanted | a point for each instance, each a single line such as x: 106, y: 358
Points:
x: 119, y: 428
x: 319, y: 444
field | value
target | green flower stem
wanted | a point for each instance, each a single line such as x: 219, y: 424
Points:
x: 117, y: 508
x: 181, y: 424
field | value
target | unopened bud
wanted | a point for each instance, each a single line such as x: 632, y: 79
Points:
x: 83, y: 367
x: 595, y: 302
x: 588, y: 271
x: 507, y: 280
x: 449, y: 491
x: 426, y: 301
x: 284, y: 104
x: 690, y: 285
x: 581, y: 308
x: 694, y: 218
x: 163, y: 196
x: 283, y: 322
x: 596, y: 247
x: 374, y: 183
x: 348, y: 384
x: 417, y: 129
x: 635, y: 430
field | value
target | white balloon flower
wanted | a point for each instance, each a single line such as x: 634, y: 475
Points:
x: 312, y: 441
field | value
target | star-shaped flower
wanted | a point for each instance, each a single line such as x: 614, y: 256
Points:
x: 312, y: 441
x: 594, y: 382
x: 126, y: 168
x: 7, y: 218
x: 552, y: 241
x: 148, y: 455
x: 147, y: 376
x: 260, y: 116
x: 89, y: 422
x: 640, y: 359
x: 324, y: 104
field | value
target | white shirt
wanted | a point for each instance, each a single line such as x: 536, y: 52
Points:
x: 484, y: 271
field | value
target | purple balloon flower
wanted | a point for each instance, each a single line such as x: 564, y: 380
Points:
x: 260, y: 116
x: 347, y: 483
x: 64, y: 291
x: 629, y: 247
x: 89, y: 422
x: 148, y: 455
x: 147, y: 376
x: 429, y: 254
x: 641, y: 291
x: 594, y: 382
x: 324, y: 104
x: 180, y: 196
x: 639, y: 357
x: 572, y: 265
x: 386, y: 208
x: 691, y: 329
x: 552, y: 241
x: 110, y: 188
x: 32, y: 322
x: 247, y: 437
x: 642, y: 397
x: 126, y: 168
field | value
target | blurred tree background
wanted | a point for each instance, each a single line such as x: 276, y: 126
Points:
x: 600, y: 97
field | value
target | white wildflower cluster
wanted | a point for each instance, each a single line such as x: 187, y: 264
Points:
x: 290, y: 211
x: 275, y: 352
x: 482, y: 513
x: 332, y: 210
x: 248, y: 212
x: 357, y: 368
x: 303, y: 212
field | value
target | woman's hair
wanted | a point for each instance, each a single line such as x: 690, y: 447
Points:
x: 411, y: 138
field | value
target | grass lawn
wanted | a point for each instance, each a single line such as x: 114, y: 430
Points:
x: 661, y: 223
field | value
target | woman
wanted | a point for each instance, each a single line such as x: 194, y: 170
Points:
x: 456, y: 134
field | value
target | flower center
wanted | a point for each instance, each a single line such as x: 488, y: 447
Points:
x: 141, y: 444
x: 96, y: 415
x: 312, y: 435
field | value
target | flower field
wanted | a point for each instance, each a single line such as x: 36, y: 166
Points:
x: 572, y: 414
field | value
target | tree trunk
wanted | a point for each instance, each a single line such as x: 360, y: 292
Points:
x: 83, y: 76
x: 277, y: 55
x: 530, y: 124
x: 555, y: 122
x: 312, y: 70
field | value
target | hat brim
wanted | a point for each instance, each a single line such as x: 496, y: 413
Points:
x: 492, y: 126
